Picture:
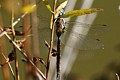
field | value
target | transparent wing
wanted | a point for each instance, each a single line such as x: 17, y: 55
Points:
x: 95, y: 30
x: 44, y: 34
x: 44, y: 30
x: 44, y: 22
x: 88, y: 42
x: 82, y: 42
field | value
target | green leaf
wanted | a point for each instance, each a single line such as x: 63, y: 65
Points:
x: 75, y: 13
x: 61, y: 6
x: 47, y: 5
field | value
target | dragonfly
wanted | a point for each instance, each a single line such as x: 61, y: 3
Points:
x: 90, y: 41
x: 64, y: 29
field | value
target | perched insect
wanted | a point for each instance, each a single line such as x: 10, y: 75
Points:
x: 64, y: 29
x: 91, y: 41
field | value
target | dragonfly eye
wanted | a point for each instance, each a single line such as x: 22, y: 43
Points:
x: 61, y: 12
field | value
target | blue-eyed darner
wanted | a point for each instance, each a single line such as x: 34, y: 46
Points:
x: 91, y: 41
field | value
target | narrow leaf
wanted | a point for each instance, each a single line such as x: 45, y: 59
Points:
x: 47, y: 5
x: 75, y: 13
x: 29, y: 8
x: 61, y: 6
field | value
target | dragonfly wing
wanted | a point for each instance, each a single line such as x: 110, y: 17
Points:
x: 98, y: 30
x: 82, y: 42
x: 70, y: 24
x: 90, y: 44
x: 43, y: 22
x: 95, y: 30
x: 44, y: 34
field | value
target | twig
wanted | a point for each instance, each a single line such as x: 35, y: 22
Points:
x: 20, y: 18
x: 23, y: 15
x: 54, y: 5
x: 2, y: 34
x: 54, y: 51
x: 24, y: 54
x: 14, y: 49
x: 9, y: 65
x: 51, y: 39
x: 50, y: 51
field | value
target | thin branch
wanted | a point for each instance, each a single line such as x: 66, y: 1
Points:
x: 23, y: 53
x: 50, y: 51
x: 23, y: 15
x: 12, y: 21
x: 20, y: 18
x: 9, y: 65
x: 54, y: 5
x: 14, y: 49
x: 51, y: 38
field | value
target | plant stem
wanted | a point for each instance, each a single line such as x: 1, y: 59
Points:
x: 24, y: 54
x: 8, y: 64
x: 51, y: 38
x: 50, y: 50
x: 23, y: 15
x: 5, y: 70
x: 54, y: 5
x: 14, y: 49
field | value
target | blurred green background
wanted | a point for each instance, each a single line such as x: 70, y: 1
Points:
x: 95, y: 64
x: 101, y: 64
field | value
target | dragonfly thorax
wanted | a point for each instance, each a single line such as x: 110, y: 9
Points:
x: 60, y: 26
